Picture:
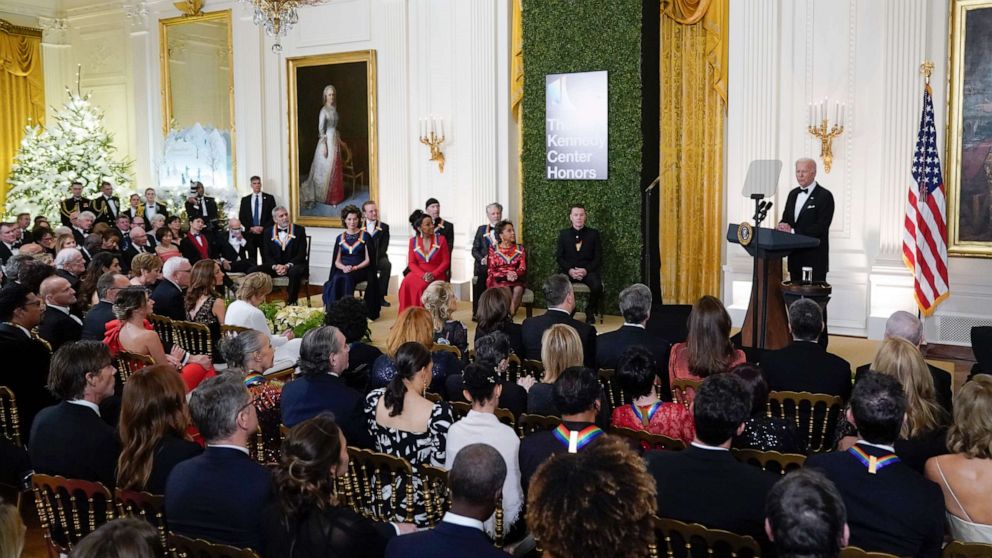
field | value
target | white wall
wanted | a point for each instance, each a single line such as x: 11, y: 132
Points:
x: 786, y: 53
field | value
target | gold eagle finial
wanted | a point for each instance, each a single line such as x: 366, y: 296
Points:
x: 190, y: 7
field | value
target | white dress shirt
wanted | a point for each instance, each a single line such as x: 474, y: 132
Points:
x: 801, y: 200
x: 456, y: 519
x: 243, y: 314
x: 85, y: 403
x: 66, y: 311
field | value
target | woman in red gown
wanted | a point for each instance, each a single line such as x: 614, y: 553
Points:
x: 427, y: 258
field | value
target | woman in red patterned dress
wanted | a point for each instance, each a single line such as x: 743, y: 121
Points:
x: 637, y: 373
x: 507, y: 264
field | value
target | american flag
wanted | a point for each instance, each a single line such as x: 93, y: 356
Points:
x: 924, y: 241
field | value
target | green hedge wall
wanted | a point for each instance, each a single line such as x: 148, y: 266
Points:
x: 562, y: 36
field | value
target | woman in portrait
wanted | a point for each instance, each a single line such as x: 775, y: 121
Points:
x: 325, y: 183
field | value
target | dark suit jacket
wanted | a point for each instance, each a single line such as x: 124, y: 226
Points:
x: 58, y: 328
x: 330, y: 532
x: 168, y: 300
x: 72, y: 279
x: 814, y: 220
x: 512, y: 330
x: 73, y: 441
x: 130, y: 253
x: 610, y: 347
x: 533, y: 329
x: 219, y: 496
x: 381, y: 237
x: 895, y: 510
x: 538, y: 447
x: 712, y: 488
x: 589, y: 256
x: 807, y: 366
x: 5, y: 254
x: 246, y: 211
x: 69, y: 205
x: 480, y: 250
x: 295, y: 251
x: 193, y: 210
x: 941, y: 384
x: 95, y: 321
x: 170, y: 452
x: 447, y: 540
x: 309, y: 396
x: 102, y: 209
x: 191, y: 252
x: 239, y: 260
x: 446, y: 229
x: 160, y: 209
x: 25, y: 372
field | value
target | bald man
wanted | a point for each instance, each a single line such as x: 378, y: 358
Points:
x: 809, y: 210
x: 59, y: 326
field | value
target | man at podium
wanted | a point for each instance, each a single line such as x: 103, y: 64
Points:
x: 809, y: 210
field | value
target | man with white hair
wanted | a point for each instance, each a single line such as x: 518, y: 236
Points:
x: 70, y: 265
x: 809, y: 211
x: 138, y: 245
x: 906, y: 326
x: 284, y: 252
x: 234, y: 249
x: 59, y: 326
x: 168, y: 294
x: 81, y: 227
x: 635, y: 305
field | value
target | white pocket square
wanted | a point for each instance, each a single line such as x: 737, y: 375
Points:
x: 810, y: 207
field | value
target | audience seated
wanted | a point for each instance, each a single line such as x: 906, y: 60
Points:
x: 762, y: 432
x: 577, y: 395
x: 168, y: 294
x: 244, y: 312
x: 493, y: 351
x: 248, y: 354
x: 805, y: 516
x: 218, y: 495
x: 15, y: 464
x: 167, y: 242
x: 100, y: 314
x: 197, y: 245
x: 319, y: 388
x: 561, y: 304
x: 635, y: 305
x: 904, y: 325
x: 32, y: 273
x: 234, y: 251
x: 405, y: 424
x: 483, y: 389
x: 639, y: 377
x: 598, y: 502
x: 102, y: 262
x: 350, y: 316
x: 965, y: 476
x: 146, y: 270
x: 704, y: 483
x: 494, y: 315
x: 305, y: 515
x: 12, y: 531
x: 476, y: 481
x: 69, y: 438
x: 923, y: 434
x: 428, y: 258
x: 69, y: 263
x: 25, y: 357
x: 708, y: 349
x: 59, y: 325
x: 561, y: 348
x: 203, y: 304
x: 413, y: 324
x: 132, y: 333
x: 125, y: 537
x: 439, y: 299
x: 805, y: 365
x: 153, y: 429
x: 890, y: 507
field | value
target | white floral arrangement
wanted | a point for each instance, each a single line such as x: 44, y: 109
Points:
x: 300, y: 319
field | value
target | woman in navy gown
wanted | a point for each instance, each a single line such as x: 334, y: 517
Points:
x: 352, y: 263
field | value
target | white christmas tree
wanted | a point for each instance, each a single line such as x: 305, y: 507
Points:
x: 76, y: 147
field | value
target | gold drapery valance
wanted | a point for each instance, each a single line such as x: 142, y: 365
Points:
x: 694, y: 69
x: 22, y: 88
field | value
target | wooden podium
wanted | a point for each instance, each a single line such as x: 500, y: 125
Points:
x: 766, y: 325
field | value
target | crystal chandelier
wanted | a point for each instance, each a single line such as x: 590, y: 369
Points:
x: 278, y: 16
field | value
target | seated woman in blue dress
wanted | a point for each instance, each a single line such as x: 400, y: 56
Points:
x: 414, y: 324
x: 352, y: 264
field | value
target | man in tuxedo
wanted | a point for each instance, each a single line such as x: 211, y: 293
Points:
x: 137, y: 244
x: 168, y: 294
x: 8, y: 242
x: 106, y: 206
x: 635, y: 305
x: 152, y: 207
x: 233, y: 248
x: 81, y: 228
x: 284, y: 253
x: 123, y: 224
x: 217, y: 495
x: 199, y: 205
x: 890, y: 507
x: 476, y: 483
x: 70, y: 265
x: 577, y: 396
x: 809, y: 211
x: 196, y: 245
x: 579, y: 255
x: 59, y: 326
x: 380, y: 234
x: 441, y: 227
x: 712, y: 487
x: 23, y: 223
x: 96, y: 319
x: 485, y: 238
x: 805, y: 516
x: 26, y: 358
x: 561, y: 303
x: 70, y: 438
x: 805, y: 365
x: 75, y: 203
x: 909, y: 327
x: 256, y: 213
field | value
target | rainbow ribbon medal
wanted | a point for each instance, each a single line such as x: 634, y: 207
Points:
x: 575, y: 440
x: 646, y: 419
x: 873, y: 463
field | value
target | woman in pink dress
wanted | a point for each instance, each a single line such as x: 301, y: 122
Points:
x: 707, y: 350
x: 428, y: 260
x: 166, y: 249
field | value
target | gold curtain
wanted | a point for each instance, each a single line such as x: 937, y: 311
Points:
x: 694, y: 37
x: 517, y: 100
x: 22, y: 89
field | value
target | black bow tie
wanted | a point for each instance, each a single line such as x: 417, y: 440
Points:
x: 281, y: 229
x: 804, y: 190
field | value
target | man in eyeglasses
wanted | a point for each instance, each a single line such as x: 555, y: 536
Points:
x: 234, y: 248
x: 26, y: 358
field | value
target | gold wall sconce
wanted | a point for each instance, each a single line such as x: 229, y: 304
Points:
x: 819, y: 126
x: 432, y: 135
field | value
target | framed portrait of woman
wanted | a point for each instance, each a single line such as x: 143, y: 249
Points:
x: 332, y: 135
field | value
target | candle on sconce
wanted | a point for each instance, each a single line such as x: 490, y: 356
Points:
x: 441, y: 120
x: 842, y: 115
x: 809, y: 114
x: 836, y: 112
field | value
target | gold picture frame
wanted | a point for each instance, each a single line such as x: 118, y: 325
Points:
x: 968, y: 172
x: 322, y: 172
